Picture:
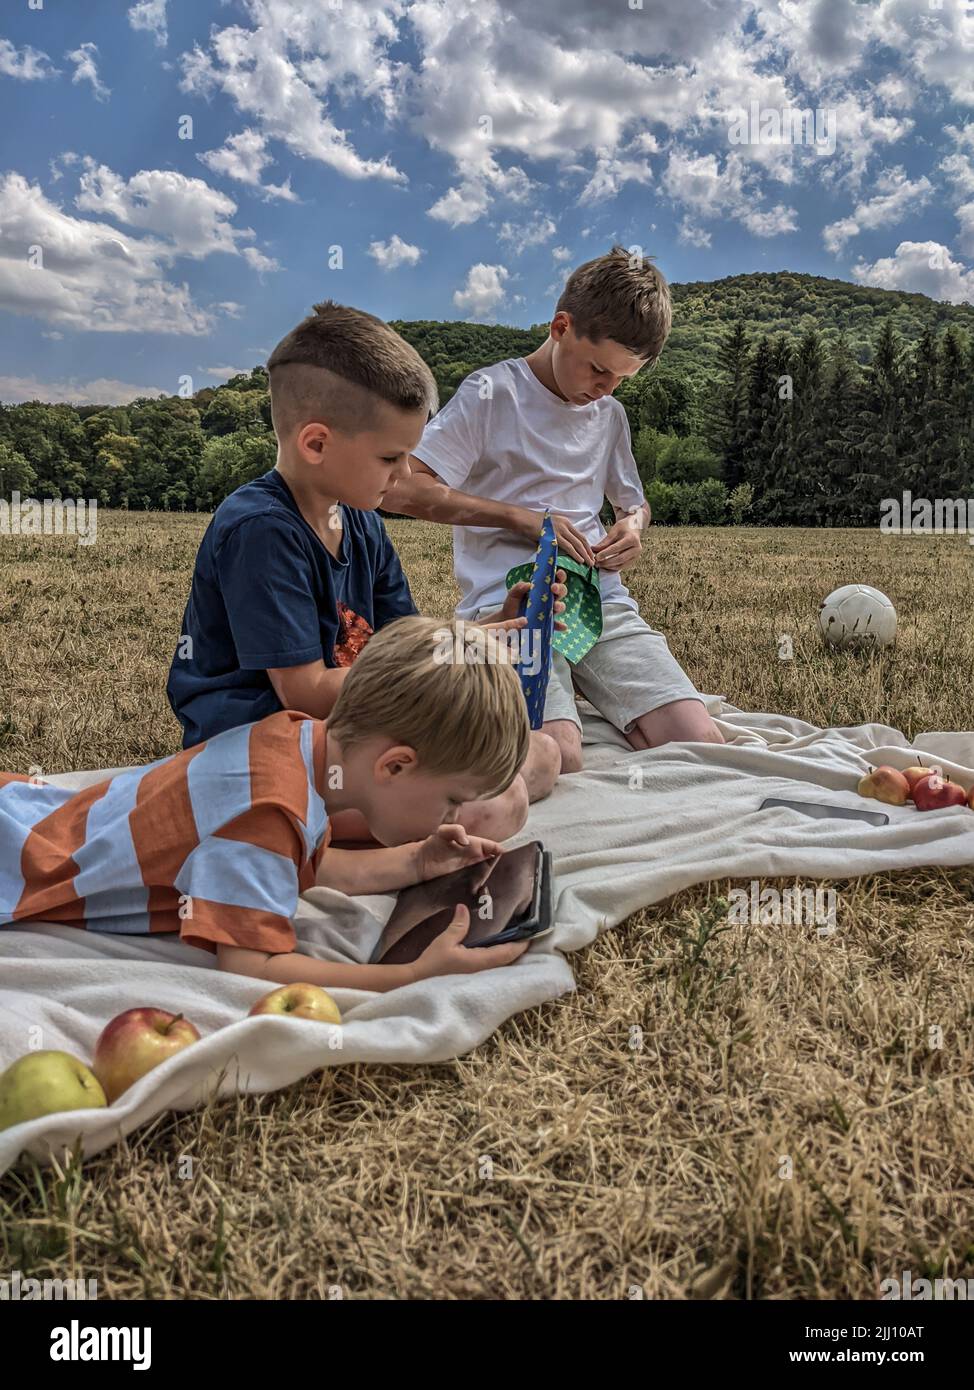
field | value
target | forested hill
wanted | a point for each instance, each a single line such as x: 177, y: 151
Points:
x: 783, y: 302
x: 779, y: 398
x: 778, y: 302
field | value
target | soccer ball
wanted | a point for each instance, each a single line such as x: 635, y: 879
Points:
x: 857, y: 616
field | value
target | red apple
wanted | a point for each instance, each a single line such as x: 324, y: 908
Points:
x: 135, y: 1042
x: 916, y: 774
x: 933, y: 793
x: 299, y: 1001
x: 886, y: 784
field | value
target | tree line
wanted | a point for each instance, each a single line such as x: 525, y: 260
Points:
x: 779, y: 399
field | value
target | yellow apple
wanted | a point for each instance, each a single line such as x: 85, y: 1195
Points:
x: 299, y: 1001
x: 44, y: 1083
x: 135, y: 1042
x: 886, y: 784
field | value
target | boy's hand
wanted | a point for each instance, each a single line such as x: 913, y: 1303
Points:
x: 507, y: 617
x: 450, y: 848
x: 447, y: 955
x: 620, y: 546
x: 570, y: 539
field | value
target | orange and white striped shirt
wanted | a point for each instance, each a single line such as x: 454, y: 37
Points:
x: 215, y: 843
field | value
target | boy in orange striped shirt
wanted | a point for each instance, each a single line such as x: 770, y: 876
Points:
x: 218, y: 841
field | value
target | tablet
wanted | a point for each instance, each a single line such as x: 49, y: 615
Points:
x: 508, y: 897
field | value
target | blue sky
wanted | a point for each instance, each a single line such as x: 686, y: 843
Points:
x: 462, y: 155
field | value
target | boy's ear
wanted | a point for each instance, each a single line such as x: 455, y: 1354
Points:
x: 560, y: 324
x: 394, y: 761
x: 312, y: 439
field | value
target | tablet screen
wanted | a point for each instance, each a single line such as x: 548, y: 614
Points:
x: 494, y: 891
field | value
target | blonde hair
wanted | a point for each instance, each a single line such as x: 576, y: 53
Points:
x: 448, y: 690
x: 620, y: 296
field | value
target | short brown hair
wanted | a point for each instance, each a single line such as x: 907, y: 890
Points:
x: 621, y: 296
x: 449, y: 690
x: 337, y: 364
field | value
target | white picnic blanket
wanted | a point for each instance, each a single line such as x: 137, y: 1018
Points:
x: 630, y: 830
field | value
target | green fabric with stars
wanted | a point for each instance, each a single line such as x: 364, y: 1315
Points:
x: 583, y: 606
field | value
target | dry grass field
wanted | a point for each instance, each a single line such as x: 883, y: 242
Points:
x: 613, y: 1170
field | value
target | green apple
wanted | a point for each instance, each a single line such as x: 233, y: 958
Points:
x: 299, y: 1001
x: 43, y: 1083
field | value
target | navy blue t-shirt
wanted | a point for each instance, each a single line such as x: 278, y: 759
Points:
x: 266, y: 593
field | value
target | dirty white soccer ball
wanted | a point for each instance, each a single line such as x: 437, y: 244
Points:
x: 857, y: 616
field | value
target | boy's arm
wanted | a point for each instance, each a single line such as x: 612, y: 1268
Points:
x: 450, y: 847
x: 621, y: 546
x: 266, y: 585
x: 425, y: 495
x: 312, y: 688
x: 355, y: 871
x: 292, y: 968
x: 453, y: 443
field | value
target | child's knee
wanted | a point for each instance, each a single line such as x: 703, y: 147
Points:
x: 543, y: 764
x: 568, y: 738
x: 501, y: 816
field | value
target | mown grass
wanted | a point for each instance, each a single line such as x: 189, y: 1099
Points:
x: 629, y: 1138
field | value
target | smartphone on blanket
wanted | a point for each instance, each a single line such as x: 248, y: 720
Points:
x: 509, y: 899
x: 818, y: 810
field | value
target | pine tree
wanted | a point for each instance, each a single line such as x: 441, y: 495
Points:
x: 725, y: 421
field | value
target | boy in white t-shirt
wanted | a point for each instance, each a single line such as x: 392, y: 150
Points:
x: 543, y: 431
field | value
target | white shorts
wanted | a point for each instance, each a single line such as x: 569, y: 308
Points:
x: 629, y: 672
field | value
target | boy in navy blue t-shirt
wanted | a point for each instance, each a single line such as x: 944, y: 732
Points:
x: 296, y: 571
x: 269, y: 596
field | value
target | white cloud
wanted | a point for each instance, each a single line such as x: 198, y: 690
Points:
x: 225, y: 373
x: 150, y: 15
x: 27, y: 63
x: 258, y: 261
x: 959, y: 169
x: 102, y: 391
x: 495, y: 84
x: 935, y: 43
x: 66, y: 160
x: 195, y: 218
x: 896, y: 197
x: 610, y: 174
x: 698, y: 183
x: 243, y: 157
x: 391, y: 254
x: 965, y: 237
x: 86, y: 69
x: 482, y: 179
x: 230, y: 307
x: 277, y: 73
x: 920, y: 267
x: 484, y: 290
x: 90, y: 275
x: 534, y: 233
x: 561, y: 253
x: 691, y: 235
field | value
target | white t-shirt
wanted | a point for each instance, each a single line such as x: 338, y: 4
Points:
x: 506, y: 437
